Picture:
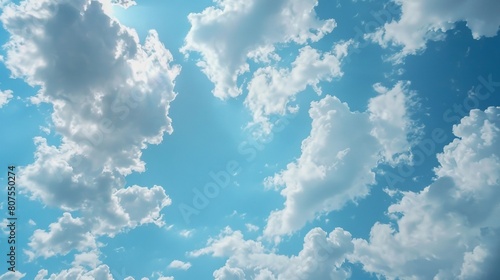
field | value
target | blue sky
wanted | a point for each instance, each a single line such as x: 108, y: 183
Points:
x: 298, y: 139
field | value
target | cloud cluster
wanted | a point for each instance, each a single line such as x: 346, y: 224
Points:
x: 124, y: 3
x: 253, y: 30
x: 229, y: 33
x: 337, y: 161
x: 450, y: 229
x: 77, y: 273
x: 5, y: 97
x: 179, y: 265
x: 110, y: 97
x: 271, y: 89
x: 12, y: 275
x: 394, y: 128
x: 321, y: 257
x: 421, y: 21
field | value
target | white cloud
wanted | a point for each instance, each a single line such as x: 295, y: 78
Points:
x: 321, y: 257
x: 229, y: 273
x: 186, y: 233
x: 4, y: 225
x: 421, y: 21
x: 66, y: 234
x: 312, y: 183
x: 5, y: 97
x: 251, y: 227
x: 337, y: 161
x: 449, y: 230
x: 110, y: 99
x: 2, y: 4
x: 265, y: 274
x: 124, y: 3
x: 108, y: 6
x: 79, y: 273
x: 394, y: 127
x: 143, y: 206
x: 12, y: 275
x: 271, y: 90
x: 179, y: 265
x: 87, y: 259
x: 41, y: 274
x: 248, y: 29
x: 45, y: 129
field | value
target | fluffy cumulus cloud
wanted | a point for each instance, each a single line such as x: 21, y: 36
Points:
x: 229, y: 273
x: 87, y: 259
x: 66, y: 234
x: 272, y: 89
x: 3, y: 3
x: 336, y: 164
x: 77, y: 273
x: 12, y: 275
x: 421, y: 21
x: 251, y: 227
x: 232, y: 31
x: 312, y: 184
x: 450, y: 229
x: 110, y: 97
x: 322, y: 257
x: 395, y: 129
x: 5, y: 97
x: 179, y: 265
